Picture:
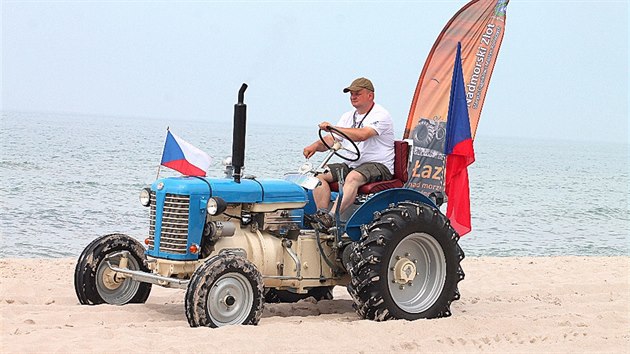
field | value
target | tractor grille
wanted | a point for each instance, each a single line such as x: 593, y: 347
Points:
x: 174, y: 231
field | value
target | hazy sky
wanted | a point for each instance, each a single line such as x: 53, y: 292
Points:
x: 562, y: 69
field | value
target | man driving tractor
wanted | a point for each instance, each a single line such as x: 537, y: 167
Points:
x: 371, y: 127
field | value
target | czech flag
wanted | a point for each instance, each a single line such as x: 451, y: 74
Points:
x: 181, y: 156
x: 459, y: 152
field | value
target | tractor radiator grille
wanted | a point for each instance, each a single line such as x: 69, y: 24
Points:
x: 174, y: 231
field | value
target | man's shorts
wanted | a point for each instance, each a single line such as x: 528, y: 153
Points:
x: 372, y: 171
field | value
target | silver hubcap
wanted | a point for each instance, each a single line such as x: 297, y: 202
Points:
x: 230, y: 300
x: 113, y: 287
x: 417, y: 272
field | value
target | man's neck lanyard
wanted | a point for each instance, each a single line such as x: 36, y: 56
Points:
x: 354, y: 118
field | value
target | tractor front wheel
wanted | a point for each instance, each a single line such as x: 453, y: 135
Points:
x: 226, y: 290
x: 95, y: 283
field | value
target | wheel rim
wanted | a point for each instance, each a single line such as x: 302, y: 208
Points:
x: 416, y: 272
x: 230, y: 300
x: 112, y: 287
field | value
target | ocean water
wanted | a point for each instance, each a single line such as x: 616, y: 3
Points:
x: 67, y: 179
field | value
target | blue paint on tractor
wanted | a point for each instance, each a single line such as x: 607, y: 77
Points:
x: 197, y: 191
x: 377, y: 203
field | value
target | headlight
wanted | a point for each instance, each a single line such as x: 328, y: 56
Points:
x: 216, y: 206
x: 145, y: 197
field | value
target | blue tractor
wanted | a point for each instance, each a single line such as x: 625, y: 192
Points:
x: 237, y: 242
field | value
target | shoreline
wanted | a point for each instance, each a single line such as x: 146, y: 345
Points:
x: 508, y: 304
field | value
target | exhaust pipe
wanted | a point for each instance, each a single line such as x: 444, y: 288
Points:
x: 238, y: 135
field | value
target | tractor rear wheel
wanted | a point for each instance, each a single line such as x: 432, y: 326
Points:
x: 95, y: 283
x: 226, y: 290
x: 406, y: 265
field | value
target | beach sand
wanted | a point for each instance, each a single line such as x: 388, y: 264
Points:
x: 523, y: 304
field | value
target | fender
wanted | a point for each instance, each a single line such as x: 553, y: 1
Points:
x: 379, y: 202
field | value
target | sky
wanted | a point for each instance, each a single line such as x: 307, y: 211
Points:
x: 561, y: 73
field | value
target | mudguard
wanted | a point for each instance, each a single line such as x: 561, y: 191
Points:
x: 378, y: 202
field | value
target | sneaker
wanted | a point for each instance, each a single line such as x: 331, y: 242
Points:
x: 324, y: 219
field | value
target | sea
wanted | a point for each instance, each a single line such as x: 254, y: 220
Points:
x: 66, y: 179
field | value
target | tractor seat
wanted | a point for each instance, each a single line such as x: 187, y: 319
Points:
x: 401, y: 159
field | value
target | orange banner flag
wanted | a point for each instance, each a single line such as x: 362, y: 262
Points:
x: 479, y: 26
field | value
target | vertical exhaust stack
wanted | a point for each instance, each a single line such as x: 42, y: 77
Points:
x: 238, y: 135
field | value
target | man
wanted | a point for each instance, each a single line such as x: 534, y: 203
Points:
x: 371, y: 127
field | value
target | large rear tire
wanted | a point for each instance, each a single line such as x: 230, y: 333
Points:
x: 407, y: 265
x: 95, y: 283
x: 226, y: 290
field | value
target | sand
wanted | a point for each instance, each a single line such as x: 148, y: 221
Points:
x: 537, y: 304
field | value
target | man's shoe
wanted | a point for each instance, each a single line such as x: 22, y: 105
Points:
x: 324, y: 219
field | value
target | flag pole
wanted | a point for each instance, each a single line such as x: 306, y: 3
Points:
x: 158, y: 172
x: 160, y: 164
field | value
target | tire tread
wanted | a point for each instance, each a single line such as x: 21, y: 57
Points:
x: 368, y: 260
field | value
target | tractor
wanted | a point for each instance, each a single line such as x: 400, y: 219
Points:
x: 236, y: 242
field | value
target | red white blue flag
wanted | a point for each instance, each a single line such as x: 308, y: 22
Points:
x: 181, y: 156
x: 459, y: 152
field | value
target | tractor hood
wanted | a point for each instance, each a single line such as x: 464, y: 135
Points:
x: 247, y: 191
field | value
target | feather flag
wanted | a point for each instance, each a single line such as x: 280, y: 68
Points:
x: 181, y: 156
x: 459, y: 152
x: 479, y: 26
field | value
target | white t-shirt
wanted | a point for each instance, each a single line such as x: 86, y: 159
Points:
x: 380, y: 147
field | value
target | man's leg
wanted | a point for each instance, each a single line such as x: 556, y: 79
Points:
x: 353, y: 181
x: 321, y: 194
x: 365, y: 173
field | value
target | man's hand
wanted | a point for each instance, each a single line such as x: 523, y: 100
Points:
x: 324, y: 126
x: 310, y: 151
x: 318, y: 145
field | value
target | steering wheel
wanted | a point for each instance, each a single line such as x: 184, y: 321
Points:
x: 334, y: 131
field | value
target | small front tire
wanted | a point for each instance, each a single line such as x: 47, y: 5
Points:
x: 226, y: 290
x: 95, y: 283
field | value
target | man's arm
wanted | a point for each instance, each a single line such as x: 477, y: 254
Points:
x: 317, y: 145
x: 355, y: 134
x: 358, y: 134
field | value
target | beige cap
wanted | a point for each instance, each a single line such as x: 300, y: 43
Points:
x: 358, y: 84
